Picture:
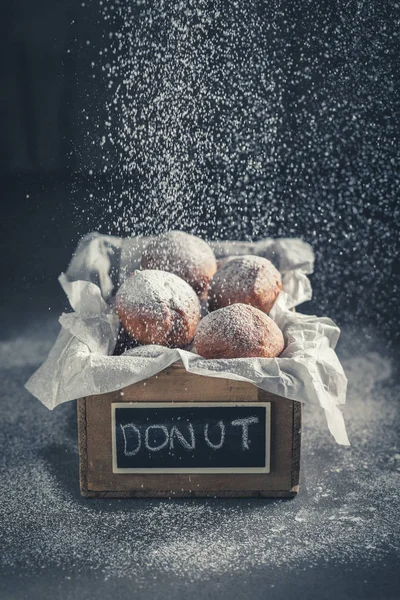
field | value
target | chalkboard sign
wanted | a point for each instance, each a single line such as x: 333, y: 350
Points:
x: 191, y: 437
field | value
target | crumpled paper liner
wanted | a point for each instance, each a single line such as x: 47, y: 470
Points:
x: 80, y: 362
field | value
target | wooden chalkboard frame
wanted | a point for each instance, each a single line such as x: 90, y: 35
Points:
x: 176, y: 384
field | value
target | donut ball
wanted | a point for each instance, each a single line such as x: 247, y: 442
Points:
x: 246, y: 279
x: 156, y: 307
x: 238, y: 331
x: 185, y: 255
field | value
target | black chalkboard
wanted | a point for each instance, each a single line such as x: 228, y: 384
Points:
x: 191, y: 437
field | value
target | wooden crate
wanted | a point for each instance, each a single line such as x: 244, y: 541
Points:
x: 175, y: 385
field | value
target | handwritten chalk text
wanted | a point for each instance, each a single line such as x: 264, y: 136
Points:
x: 157, y: 436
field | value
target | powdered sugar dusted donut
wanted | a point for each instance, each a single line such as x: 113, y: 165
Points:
x: 156, y: 307
x: 238, y: 331
x: 185, y: 255
x: 247, y: 279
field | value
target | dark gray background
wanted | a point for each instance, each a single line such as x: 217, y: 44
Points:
x: 338, y: 190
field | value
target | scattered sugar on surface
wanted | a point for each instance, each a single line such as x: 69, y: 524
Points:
x: 347, y: 509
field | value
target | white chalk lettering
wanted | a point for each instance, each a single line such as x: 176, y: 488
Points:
x: 222, y: 436
x: 160, y: 446
x: 132, y: 427
x: 176, y: 433
x: 244, y: 424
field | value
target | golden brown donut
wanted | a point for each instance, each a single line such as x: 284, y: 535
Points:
x: 156, y: 307
x: 238, y: 331
x: 185, y: 255
x: 246, y: 279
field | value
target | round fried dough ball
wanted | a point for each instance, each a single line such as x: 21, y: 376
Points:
x: 184, y: 255
x: 156, y: 307
x: 238, y: 331
x: 245, y: 279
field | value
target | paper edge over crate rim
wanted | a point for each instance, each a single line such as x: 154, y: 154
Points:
x: 106, y: 260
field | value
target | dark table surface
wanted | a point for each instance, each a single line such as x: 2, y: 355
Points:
x: 338, y: 539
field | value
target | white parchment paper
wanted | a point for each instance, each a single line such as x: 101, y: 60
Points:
x: 81, y: 362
